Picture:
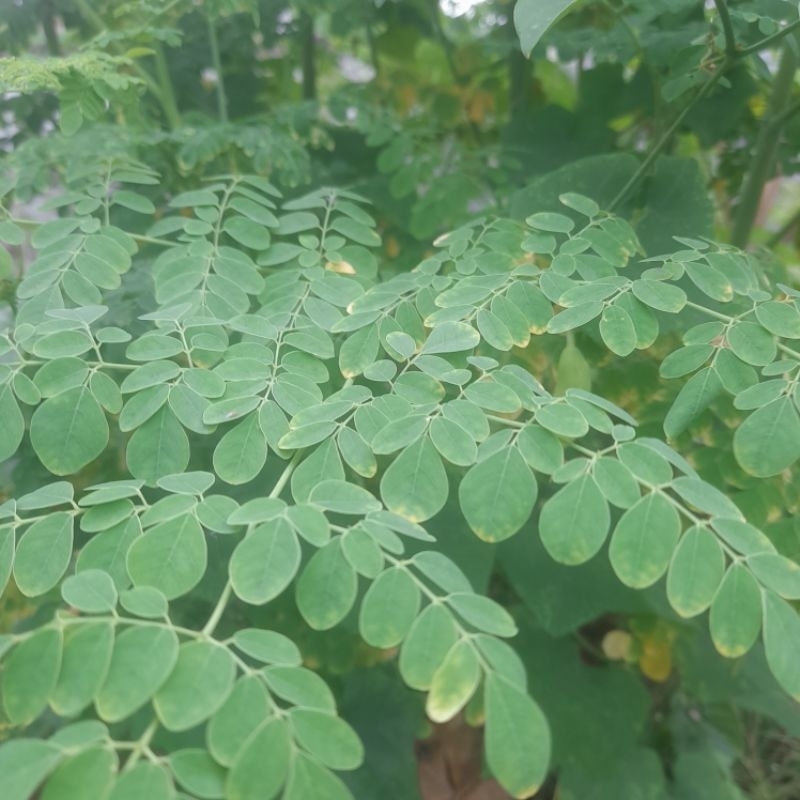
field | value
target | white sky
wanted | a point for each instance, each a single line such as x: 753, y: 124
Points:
x: 455, y: 8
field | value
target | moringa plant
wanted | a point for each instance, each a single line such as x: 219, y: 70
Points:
x: 232, y: 423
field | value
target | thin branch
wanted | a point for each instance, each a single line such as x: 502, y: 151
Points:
x: 783, y: 231
x: 662, y: 143
x: 141, y: 745
x: 169, y: 103
x: 727, y: 27
x: 780, y: 119
x: 768, y: 41
x: 222, y: 97
x: 763, y: 161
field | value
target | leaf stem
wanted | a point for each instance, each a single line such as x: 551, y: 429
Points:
x: 286, y: 474
x: 142, y: 744
x: 727, y: 27
x: 219, y: 609
x: 222, y: 97
x: 222, y: 603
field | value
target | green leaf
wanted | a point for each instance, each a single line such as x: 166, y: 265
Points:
x: 242, y: 452
x: 736, y: 612
x: 310, y: 523
x: 268, y: 646
x: 13, y: 427
x: 24, y: 763
x: 144, y: 601
x: 30, y: 675
x: 574, y: 317
x: 170, y: 557
x: 358, y: 232
x: 363, y: 552
x: 68, y: 431
x: 645, y: 463
x: 532, y: 19
x: 778, y: 573
x: 616, y: 482
x: 617, y: 331
x: 158, y: 448
x: 782, y: 642
x: 265, y: 562
x: 659, y: 295
x: 43, y: 554
x: 684, y: 360
x: 307, y: 435
x: 80, y: 734
x: 710, y: 281
x: 260, y: 768
x: 752, y: 343
x: 574, y: 522
x: 327, y: 587
x: 194, y: 483
x: 644, y: 540
x: 694, y: 397
x: 327, y: 738
x: 243, y: 711
x: 742, y: 537
x: 141, y: 406
x: 47, y: 496
x: 142, y: 660
x: 497, y: 495
x: 454, y: 682
x: 358, y: 351
x: 562, y: 419
x: 389, y: 608
x: 109, y: 551
x: 768, y: 441
x: 425, y: 647
x: 87, y: 774
x: 517, y: 738
x: 356, y: 453
x: 482, y: 613
x: 695, y: 572
x: 494, y: 331
x: 451, y: 337
x: 248, y: 233
x: 144, y: 780
x: 300, y: 687
x: 415, y: 485
x: 103, y: 516
x: 91, y: 591
x: 198, y: 773
x: 493, y: 396
x: 398, y: 433
x: 310, y: 781
x: 541, y: 449
x: 343, y: 498
x: 84, y: 665
x: 198, y: 685
x: 782, y: 319
x: 453, y: 442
